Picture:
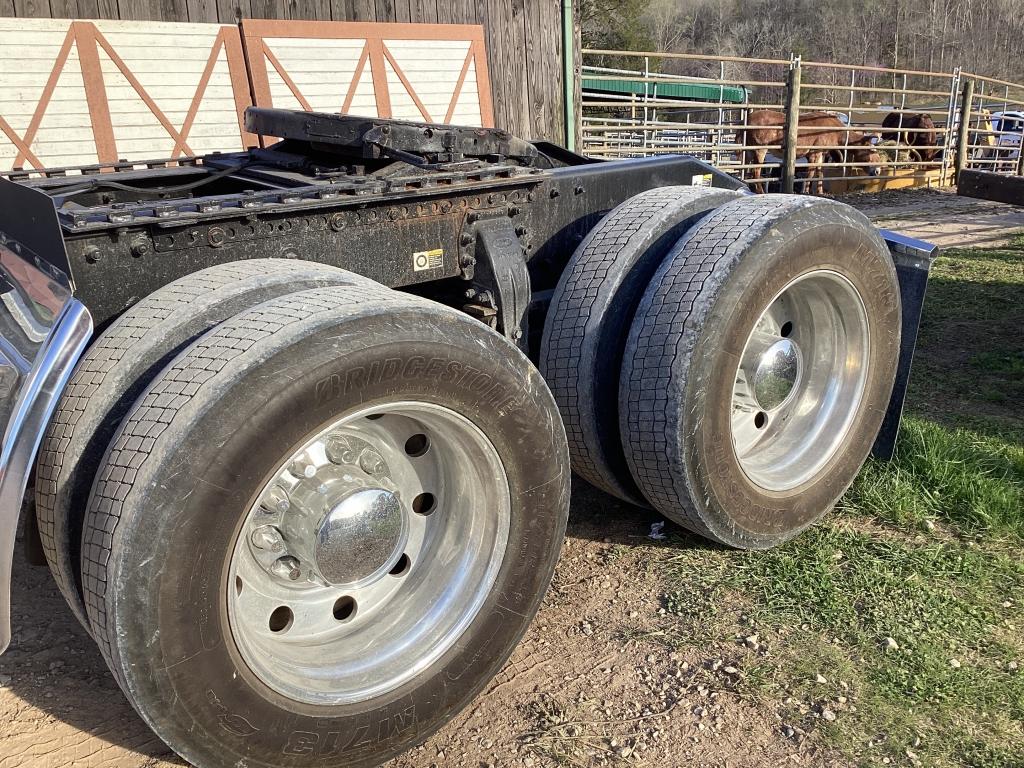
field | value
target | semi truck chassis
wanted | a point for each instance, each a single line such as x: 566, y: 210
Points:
x: 618, y: 280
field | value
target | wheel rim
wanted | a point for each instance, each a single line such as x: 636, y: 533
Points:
x: 800, y: 380
x: 368, y: 553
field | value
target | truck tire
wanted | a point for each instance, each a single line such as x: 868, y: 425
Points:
x: 759, y: 367
x: 323, y: 528
x: 115, y: 370
x: 589, y: 318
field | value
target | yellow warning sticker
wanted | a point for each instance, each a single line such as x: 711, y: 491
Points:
x: 701, y: 180
x: 422, y: 260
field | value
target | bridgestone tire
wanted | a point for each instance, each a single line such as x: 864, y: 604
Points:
x: 115, y: 370
x: 683, y: 352
x: 197, y: 447
x: 589, y: 319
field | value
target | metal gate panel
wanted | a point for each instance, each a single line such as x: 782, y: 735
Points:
x: 81, y: 92
x: 432, y: 72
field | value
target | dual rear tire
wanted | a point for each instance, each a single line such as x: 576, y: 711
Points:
x: 118, y: 367
x: 322, y: 526
x: 754, y: 371
x: 591, y: 310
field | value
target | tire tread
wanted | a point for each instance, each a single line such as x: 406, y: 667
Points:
x: 576, y: 309
x: 663, y: 336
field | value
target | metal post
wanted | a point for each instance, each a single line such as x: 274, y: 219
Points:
x: 849, y: 122
x: 569, y: 73
x: 899, y: 130
x: 947, y: 137
x: 716, y: 134
x: 899, y: 125
x: 792, y: 111
x: 964, y: 137
x: 1009, y: 162
x: 985, y: 127
x: 647, y: 98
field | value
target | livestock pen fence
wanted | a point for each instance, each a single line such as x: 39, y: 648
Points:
x: 991, y: 140
x: 893, y: 127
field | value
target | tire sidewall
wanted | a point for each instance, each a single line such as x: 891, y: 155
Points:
x: 195, y: 500
x: 735, y: 509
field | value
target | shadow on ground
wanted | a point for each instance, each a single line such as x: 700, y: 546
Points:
x: 970, y: 355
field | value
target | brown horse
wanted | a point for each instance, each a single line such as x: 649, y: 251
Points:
x: 915, y: 130
x: 816, y: 132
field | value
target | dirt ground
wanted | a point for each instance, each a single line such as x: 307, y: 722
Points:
x: 577, y: 684
x: 941, y: 216
x: 590, y: 684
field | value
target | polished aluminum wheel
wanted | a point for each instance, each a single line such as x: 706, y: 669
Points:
x: 368, y: 553
x: 800, y: 380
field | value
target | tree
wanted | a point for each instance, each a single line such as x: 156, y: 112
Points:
x: 983, y: 36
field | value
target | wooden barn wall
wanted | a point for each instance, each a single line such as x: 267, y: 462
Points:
x: 523, y: 38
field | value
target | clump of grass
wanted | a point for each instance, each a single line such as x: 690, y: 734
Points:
x: 971, y: 480
x: 1010, y: 362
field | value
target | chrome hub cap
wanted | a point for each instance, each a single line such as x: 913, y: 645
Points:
x: 800, y: 380
x: 777, y: 373
x: 368, y: 553
x: 361, y: 538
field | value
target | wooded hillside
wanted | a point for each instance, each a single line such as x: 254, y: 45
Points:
x: 983, y: 36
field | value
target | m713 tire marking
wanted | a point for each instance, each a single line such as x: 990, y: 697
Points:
x: 331, y: 743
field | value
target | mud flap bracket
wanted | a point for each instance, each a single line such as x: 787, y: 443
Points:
x: 500, y: 277
x: 913, y: 261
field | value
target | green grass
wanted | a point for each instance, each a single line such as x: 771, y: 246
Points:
x: 970, y: 480
x: 927, y: 550
x: 969, y: 368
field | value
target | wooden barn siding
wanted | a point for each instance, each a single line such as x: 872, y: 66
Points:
x: 524, y: 38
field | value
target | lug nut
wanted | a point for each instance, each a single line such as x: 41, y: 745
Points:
x: 140, y: 248
x: 286, y: 568
x: 276, y: 501
x: 267, y: 537
x: 303, y: 467
x: 339, y: 450
x: 372, y: 463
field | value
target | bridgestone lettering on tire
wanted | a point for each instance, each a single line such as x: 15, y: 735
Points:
x: 192, y: 460
x: 796, y: 276
x: 589, y: 318
x: 115, y: 370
